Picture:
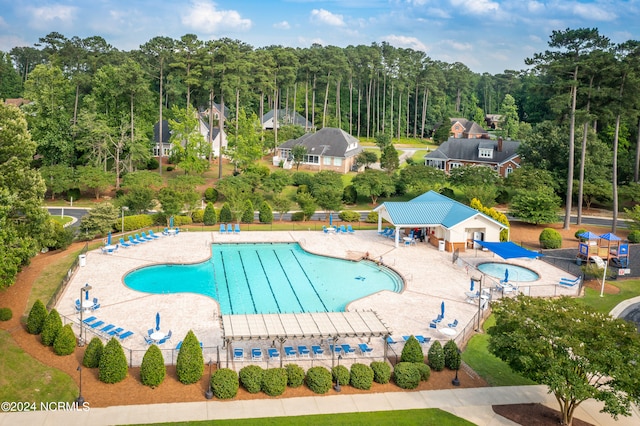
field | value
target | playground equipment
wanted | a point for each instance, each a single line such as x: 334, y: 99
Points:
x: 603, y: 249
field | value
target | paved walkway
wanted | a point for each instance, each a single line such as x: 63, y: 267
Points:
x: 471, y: 404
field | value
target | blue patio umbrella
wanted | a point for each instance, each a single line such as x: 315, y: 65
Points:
x: 86, y: 292
x: 506, y: 275
x: 157, y: 321
x: 442, y: 309
x: 109, y: 238
x: 472, y: 284
x: 171, y: 222
x: 330, y: 219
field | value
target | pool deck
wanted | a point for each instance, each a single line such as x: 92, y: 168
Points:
x: 430, y: 278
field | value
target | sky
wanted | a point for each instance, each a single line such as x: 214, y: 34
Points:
x: 486, y: 35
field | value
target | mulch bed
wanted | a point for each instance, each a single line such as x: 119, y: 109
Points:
x: 534, y: 415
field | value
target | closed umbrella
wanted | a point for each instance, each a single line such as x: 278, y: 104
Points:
x: 157, y: 321
x: 109, y: 238
x: 330, y: 219
x: 472, y: 285
x: 171, y: 222
x: 86, y: 292
x: 442, y: 309
x: 506, y: 275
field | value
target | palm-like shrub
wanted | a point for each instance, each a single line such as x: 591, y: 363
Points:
x: 424, y: 370
x: 274, y: 381
x: 295, y: 375
x: 436, y: 356
x: 342, y: 373
x: 381, y: 372
x: 93, y: 353
x: 113, y: 363
x: 65, y: 342
x: 51, y: 327
x: 251, y: 378
x: 361, y: 376
x: 412, y: 351
x: 318, y: 379
x: 406, y: 375
x: 451, y: 355
x: 224, y: 383
x: 5, y: 314
x: 190, y: 362
x: 152, y: 369
x: 550, y: 239
x: 37, y: 315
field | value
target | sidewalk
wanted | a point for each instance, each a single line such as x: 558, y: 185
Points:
x: 471, y: 404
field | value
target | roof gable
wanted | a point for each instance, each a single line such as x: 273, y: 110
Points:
x: 468, y: 150
x: 328, y: 142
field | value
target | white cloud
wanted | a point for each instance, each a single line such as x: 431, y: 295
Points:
x: 203, y: 15
x: 456, y: 45
x: 43, y: 17
x: 476, y: 7
x: 284, y: 25
x: 3, y: 23
x: 593, y: 12
x: 404, y: 41
x: 325, y: 17
x: 535, y: 7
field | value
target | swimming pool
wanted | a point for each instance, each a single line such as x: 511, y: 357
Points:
x: 516, y: 273
x: 269, y: 278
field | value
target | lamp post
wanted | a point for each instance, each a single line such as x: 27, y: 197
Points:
x: 124, y: 208
x: 84, y: 289
x: 479, y: 281
x: 337, y: 386
x: 604, y: 275
x: 209, y: 393
x: 456, y: 381
x: 80, y: 398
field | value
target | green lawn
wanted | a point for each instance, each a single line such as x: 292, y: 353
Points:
x: 62, y: 220
x: 628, y: 289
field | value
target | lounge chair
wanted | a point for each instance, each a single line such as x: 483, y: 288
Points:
x: 365, y: 349
x: 165, y: 232
x: 438, y: 319
x: 168, y: 336
x: 390, y: 341
x: 123, y: 243
x: 289, y: 352
x: 152, y: 235
x: 223, y: 228
x: 150, y: 331
x: 318, y: 352
x: 89, y: 320
x: 96, y: 324
x: 303, y: 351
x: 324, y: 229
x: 116, y: 331
x: 238, y: 354
x: 347, y: 349
x: 138, y: 239
x: 343, y: 229
x: 179, y: 345
x: 569, y: 282
x: 177, y: 231
x: 96, y: 306
x: 350, y: 230
x: 107, y: 328
x: 256, y: 354
x: 148, y: 340
x: 162, y: 341
x: 453, y: 324
x: 419, y: 338
x: 433, y: 325
x: 236, y: 228
x: 384, y: 231
x: 335, y: 348
x: 145, y: 237
x: 125, y: 335
x: 273, y: 353
x: 132, y: 241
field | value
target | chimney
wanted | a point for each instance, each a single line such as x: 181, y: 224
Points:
x: 500, y: 144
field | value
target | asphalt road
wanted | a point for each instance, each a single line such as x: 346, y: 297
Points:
x: 76, y: 212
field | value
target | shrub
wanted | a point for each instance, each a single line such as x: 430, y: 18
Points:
x: 361, y: 376
x: 93, y: 353
x: 297, y: 217
x: 265, y: 215
x: 372, y: 217
x: 436, y: 356
x: 211, y: 195
x: 349, y: 195
x: 303, y: 189
x: 274, y: 381
x: 197, y: 216
x: 381, y: 372
x: 190, y: 362
x: 152, y: 164
x: 451, y: 355
x: 341, y: 372
x: 295, y: 375
x: 72, y: 193
x: 412, y: 351
x: 113, y: 363
x: 550, y: 239
x: 224, y: 383
x: 318, y: 379
x: 133, y: 222
x: 578, y: 232
x: 182, y: 220
x: 210, y: 217
x: 247, y: 212
x: 152, y: 369
x: 65, y: 342
x: 349, y: 216
x: 406, y: 375
x: 301, y: 178
x: 170, y: 168
x: 225, y: 214
x: 634, y: 237
x: 37, y: 315
x: 424, y: 370
x: 251, y: 378
x: 5, y: 314
x: 51, y: 327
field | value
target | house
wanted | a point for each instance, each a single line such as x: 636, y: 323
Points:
x: 329, y: 148
x: 216, y: 112
x: 203, y: 126
x: 445, y: 223
x: 16, y: 102
x: 493, y: 120
x: 501, y: 155
x: 461, y: 128
x: 285, y: 117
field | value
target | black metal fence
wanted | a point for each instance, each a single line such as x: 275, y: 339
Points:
x: 65, y: 280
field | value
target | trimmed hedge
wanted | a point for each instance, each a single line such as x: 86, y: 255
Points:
x: 113, y: 363
x: 93, y: 353
x: 372, y: 217
x: 265, y: 214
x: 361, y: 376
x: 133, y: 222
x: 349, y: 216
x: 224, y: 383
x: 451, y: 355
x: 51, y: 327
x: 225, y: 214
x: 341, y: 372
x: 211, y: 195
x: 247, y: 212
x: 424, y: 370
x: 295, y: 375
x: 251, y: 378
x: 412, y: 351
x: 274, y: 381
x: 634, y: 237
x: 318, y: 379
x: 210, y: 217
x: 406, y: 375
x: 5, y: 314
x: 37, y: 315
x: 297, y: 217
x: 550, y: 239
x: 381, y: 372
x: 197, y: 216
x: 65, y: 342
x: 152, y: 369
x: 436, y: 356
x: 190, y: 362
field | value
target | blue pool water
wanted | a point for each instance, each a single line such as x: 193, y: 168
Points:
x: 269, y: 278
x: 516, y: 273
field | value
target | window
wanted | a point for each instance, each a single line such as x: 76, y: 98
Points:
x: 337, y: 161
x: 508, y: 171
x: 311, y: 159
x: 438, y: 164
x: 326, y: 161
x: 454, y: 165
x: 485, y: 153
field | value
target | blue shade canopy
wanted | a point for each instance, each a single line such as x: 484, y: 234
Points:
x: 610, y: 237
x: 509, y: 250
x: 589, y: 235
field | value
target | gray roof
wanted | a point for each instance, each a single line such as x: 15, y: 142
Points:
x: 470, y: 126
x: 166, y: 134
x: 327, y: 142
x: 288, y: 117
x: 468, y: 150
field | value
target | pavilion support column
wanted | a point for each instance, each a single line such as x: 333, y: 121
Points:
x: 281, y: 340
x: 386, y: 347
x: 397, y: 235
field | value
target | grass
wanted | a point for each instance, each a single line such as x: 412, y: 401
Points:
x: 24, y: 379
x: 628, y: 289
x: 62, y: 220
x: 428, y: 416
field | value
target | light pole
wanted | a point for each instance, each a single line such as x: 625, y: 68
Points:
x: 84, y: 289
x: 209, y: 393
x: 456, y: 381
x: 479, y: 281
x: 604, y: 275
x: 337, y: 386
x: 80, y: 398
x: 124, y: 208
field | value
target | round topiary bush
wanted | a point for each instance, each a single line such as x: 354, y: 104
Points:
x: 341, y: 372
x: 274, y: 381
x: 224, y: 383
x: 190, y: 362
x: 211, y: 195
x: 451, y: 355
x: 65, y: 342
x: 251, y: 378
x: 37, y: 315
x: 113, y: 363
x: 197, y: 216
x: 381, y: 372
x: 361, y: 376
x: 372, y: 217
x: 406, y: 375
x: 152, y: 369
x: 436, y: 356
x: 634, y: 237
x: 550, y: 239
x: 295, y: 375
x: 51, y: 327
x: 318, y: 379
x: 349, y: 216
x: 412, y: 351
x: 297, y: 216
x: 93, y: 353
x: 5, y: 314
x: 424, y: 370
x: 579, y: 232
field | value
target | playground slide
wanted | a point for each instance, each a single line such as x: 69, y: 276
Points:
x: 598, y: 261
